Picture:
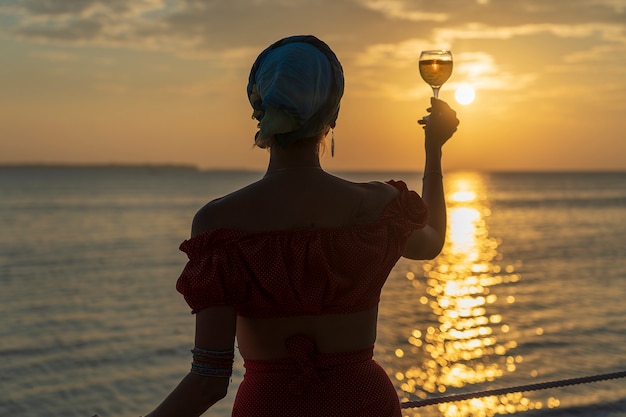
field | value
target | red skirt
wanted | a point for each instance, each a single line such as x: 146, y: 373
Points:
x: 316, y: 385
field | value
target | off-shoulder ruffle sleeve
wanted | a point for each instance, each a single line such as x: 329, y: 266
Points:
x: 407, y: 211
x: 291, y: 272
x: 206, y: 279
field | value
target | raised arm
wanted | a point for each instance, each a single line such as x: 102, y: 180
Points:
x: 440, y: 125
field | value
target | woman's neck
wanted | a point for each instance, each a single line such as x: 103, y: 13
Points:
x: 301, y: 157
x: 293, y: 169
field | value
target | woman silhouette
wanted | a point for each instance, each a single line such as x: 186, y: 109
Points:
x: 293, y: 264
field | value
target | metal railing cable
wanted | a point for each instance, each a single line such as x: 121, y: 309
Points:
x: 509, y: 390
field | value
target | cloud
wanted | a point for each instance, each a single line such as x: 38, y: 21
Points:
x: 616, y: 6
x: 394, y: 55
x: 377, y: 40
x: 204, y: 29
x: 74, y: 31
x: 482, y: 71
x: 111, y: 87
x: 111, y: 23
x: 55, y: 56
x: 598, y: 53
x: 396, y: 9
x: 85, y: 8
x: 209, y: 30
x: 607, y: 32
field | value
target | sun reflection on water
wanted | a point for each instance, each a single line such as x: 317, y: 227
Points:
x: 466, y: 342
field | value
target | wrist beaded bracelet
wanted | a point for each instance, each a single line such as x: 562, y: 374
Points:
x: 426, y: 174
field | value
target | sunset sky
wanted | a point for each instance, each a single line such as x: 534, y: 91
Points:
x: 164, y: 81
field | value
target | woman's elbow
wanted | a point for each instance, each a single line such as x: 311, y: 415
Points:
x: 432, y: 255
x: 435, y: 249
x: 211, y: 390
x: 424, y: 246
x: 421, y: 254
x: 215, y: 390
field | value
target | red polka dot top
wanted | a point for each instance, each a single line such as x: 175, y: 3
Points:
x: 300, y: 272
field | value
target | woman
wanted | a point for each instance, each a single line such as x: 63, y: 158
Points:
x: 293, y: 264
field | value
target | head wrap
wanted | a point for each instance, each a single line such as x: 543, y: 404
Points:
x: 295, y: 87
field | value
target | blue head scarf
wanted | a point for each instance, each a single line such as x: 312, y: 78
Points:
x: 295, y: 87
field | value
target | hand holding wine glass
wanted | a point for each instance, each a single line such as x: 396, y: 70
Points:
x: 440, y: 124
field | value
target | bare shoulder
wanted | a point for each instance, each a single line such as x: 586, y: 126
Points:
x: 376, y: 196
x: 381, y: 191
x: 207, y: 218
x: 218, y: 213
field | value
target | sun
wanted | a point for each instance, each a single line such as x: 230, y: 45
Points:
x: 465, y: 94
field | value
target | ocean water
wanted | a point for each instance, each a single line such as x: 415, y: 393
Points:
x: 529, y: 288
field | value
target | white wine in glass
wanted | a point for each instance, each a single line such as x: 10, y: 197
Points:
x: 435, y: 68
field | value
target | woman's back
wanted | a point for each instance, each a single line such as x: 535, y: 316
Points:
x: 300, y: 199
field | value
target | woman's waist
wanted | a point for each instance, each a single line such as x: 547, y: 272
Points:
x: 302, y: 353
x: 267, y: 339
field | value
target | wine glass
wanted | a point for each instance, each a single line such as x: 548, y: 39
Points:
x: 435, y: 68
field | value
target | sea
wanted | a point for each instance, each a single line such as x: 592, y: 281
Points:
x: 529, y: 288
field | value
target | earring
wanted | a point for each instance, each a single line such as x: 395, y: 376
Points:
x: 332, y: 144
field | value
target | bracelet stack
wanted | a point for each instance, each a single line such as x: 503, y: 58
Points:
x: 213, y: 363
x: 429, y: 173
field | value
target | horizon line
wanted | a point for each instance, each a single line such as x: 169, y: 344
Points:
x: 193, y: 167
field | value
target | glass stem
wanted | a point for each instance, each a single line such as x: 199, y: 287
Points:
x: 436, y: 92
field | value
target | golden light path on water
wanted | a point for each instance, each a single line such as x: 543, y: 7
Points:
x: 466, y: 341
